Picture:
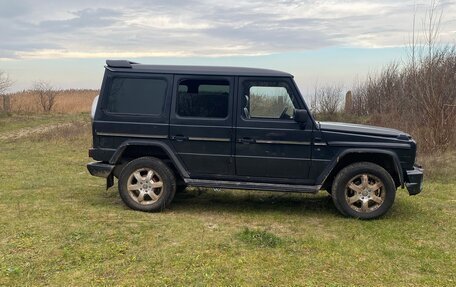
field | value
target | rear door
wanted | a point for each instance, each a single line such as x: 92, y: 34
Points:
x: 270, y: 145
x: 201, y: 124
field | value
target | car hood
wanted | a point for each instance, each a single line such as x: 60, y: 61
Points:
x: 362, y: 129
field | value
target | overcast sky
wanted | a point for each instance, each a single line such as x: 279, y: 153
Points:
x: 66, y: 42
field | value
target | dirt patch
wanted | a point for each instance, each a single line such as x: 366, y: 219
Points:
x: 41, y: 131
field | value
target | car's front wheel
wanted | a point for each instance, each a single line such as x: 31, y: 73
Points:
x: 147, y: 184
x: 363, y: 190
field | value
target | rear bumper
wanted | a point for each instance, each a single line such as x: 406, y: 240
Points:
x: 100, y: 169
x: 414, y: 182
x: 101, y: 154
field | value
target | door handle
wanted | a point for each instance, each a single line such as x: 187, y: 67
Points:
x: 247, y: 140
x: 319, y: 141
x: 179, y: 138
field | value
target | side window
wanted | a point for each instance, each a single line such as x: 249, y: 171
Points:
x: 137, y: 96
x: 268, y: 100
x: 203, y: 98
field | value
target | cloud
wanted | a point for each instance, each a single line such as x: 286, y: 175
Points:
x: 11, y: 9
x: 83, y: 19
x: 115, y: 28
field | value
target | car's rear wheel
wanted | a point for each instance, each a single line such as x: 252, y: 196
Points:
x: 363, y: 190
x: 147, y: 184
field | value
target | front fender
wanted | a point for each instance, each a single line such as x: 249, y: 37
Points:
x: 327, y: 171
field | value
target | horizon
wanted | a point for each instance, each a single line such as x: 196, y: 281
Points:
x: 320, y: 43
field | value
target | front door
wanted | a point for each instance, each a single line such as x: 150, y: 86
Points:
x: 201, y: 124
x: 270, y: 145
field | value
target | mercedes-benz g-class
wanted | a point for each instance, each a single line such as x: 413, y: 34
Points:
x: 159, y: 129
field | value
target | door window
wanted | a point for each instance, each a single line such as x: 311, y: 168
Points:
x: 203, y: 98
x: 268, y: 100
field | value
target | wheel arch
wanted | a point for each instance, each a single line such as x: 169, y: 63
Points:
x: 132, y: 149
x: 384, y: 158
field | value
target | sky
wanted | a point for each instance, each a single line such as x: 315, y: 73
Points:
x: 319, y: 42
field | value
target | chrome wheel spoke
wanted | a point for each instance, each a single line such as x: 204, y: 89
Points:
x: 377, y: 199
x: 355, y: 187
x: 149, y: 175
x: 132, y: 187
x: 353, y: 199
x: 138, y: 176
x: 157, y: 184
x: 153, y: 195
x: 141, y: 196
x: 364, y: 206
x: 376, y: 186
x: 364, y: 181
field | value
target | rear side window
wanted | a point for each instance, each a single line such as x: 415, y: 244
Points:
x: 203, y: 98
x: 137, y: 96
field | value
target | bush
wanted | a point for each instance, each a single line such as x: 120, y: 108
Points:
x: 419, y: 98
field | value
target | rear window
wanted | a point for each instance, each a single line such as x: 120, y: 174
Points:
x: 203, y: 98
x: 137, y: 96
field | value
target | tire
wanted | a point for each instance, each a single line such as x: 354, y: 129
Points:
x: 181, y: 188
x: 147, y: 184
x: 363, y: 190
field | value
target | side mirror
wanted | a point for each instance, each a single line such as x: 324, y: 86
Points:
x: 300, y: 116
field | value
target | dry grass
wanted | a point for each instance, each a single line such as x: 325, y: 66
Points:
x: 64, y: 131
x: 45, y: 127
x: 67, y: 101
x: 70, y: 131
x: 439, y: 166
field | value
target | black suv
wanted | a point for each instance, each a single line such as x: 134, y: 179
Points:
x: 159, y: 129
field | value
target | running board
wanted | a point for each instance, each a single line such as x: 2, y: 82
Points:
x: 252, y: 185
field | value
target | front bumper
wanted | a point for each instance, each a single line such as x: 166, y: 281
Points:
x: 414, y: 182
x: 100, y: 169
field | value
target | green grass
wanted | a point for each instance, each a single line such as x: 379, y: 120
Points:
x: 259, y: 238
x: 58, y: 226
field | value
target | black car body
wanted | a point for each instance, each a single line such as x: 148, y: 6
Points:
x: 239, y: 128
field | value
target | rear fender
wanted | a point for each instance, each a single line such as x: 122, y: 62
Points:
x: 117, y: 156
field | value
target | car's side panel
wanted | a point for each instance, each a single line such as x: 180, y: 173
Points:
x: 322, y: 155
x: 272, y: 148
x: 110, y: 130
x: 404, y: 150
x: 204, y: 145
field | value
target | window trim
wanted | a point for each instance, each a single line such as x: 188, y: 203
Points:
x: 111, y: 78
x: 292, y: 98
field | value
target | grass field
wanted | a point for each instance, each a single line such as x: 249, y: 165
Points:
x: 58, y: 226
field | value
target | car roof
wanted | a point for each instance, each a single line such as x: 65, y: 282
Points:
x: 127, y: 66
